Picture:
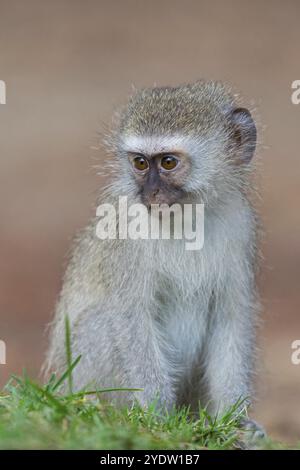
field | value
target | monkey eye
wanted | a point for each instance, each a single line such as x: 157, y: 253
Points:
x: 169, y: 162
x: 140, y: 163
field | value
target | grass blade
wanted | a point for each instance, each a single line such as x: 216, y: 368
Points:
x: 68, y: 354
x: 66, y: 375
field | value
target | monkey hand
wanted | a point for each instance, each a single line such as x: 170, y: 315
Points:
x: 252, y: 434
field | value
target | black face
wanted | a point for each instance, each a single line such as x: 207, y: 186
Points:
x: 159, y: 177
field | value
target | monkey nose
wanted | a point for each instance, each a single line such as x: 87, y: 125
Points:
x: 155, y: 192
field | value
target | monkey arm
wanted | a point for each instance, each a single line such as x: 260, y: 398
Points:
x: 230, y: 351
x: 141, y: 357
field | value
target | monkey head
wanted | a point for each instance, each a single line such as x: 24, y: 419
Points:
x: 178, y: 143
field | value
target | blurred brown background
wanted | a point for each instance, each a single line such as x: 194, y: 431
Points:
x: 67, y: 65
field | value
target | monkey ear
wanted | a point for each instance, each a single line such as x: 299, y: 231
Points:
x: 243, y: 131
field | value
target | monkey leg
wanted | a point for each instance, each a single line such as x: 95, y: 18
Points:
x: 121, y: 349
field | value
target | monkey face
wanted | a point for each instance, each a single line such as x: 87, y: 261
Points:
x: 159, y: 177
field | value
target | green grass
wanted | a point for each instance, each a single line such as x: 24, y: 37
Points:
x: 34, y: 416
x: 38, y: 417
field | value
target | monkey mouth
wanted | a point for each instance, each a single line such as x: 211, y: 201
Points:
x: 159, y: 199
x: 159, y: 203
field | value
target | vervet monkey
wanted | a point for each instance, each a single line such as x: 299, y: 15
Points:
x: 147, y: 313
